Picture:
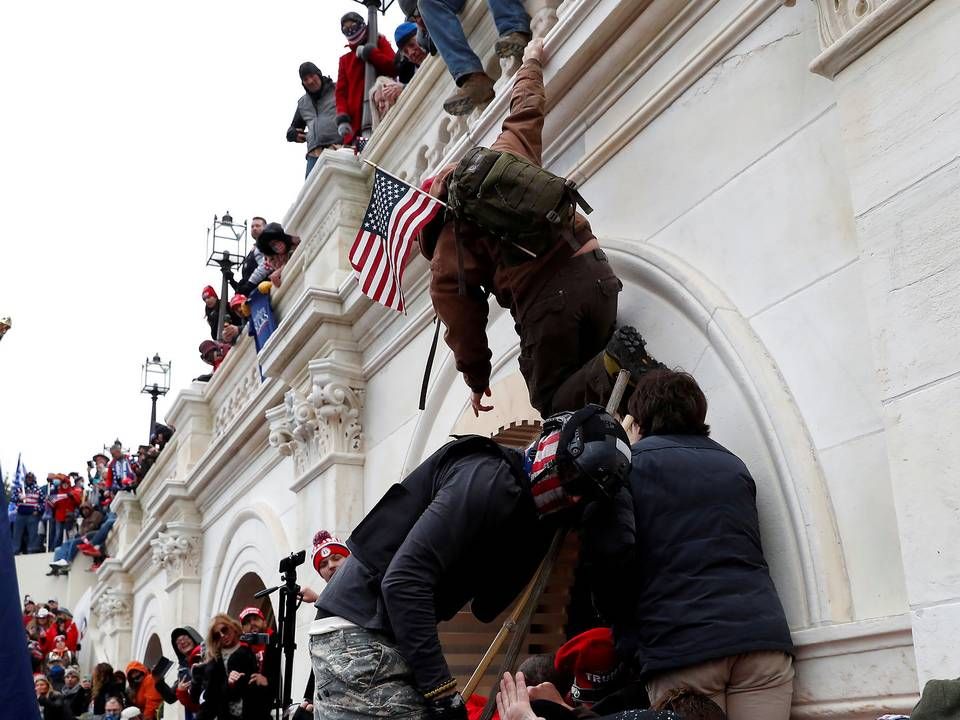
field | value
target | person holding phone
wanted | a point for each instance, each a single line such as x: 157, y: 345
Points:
x: 188, y: 647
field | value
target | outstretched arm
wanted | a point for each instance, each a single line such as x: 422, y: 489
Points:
x: 522, y: 131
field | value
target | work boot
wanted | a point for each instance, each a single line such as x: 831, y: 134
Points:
x: 626, y: 350
x: 475, y: 91
x: 511, y: 45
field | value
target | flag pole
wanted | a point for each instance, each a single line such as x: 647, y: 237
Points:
x: 422, y: 192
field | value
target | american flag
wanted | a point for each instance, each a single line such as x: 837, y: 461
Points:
x: 395, y: 215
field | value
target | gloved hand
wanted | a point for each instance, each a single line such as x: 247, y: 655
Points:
x: 450, y: 707
x: 364, y: 52
x: 344, y: 129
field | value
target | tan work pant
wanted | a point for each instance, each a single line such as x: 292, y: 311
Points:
x: 751, y: 686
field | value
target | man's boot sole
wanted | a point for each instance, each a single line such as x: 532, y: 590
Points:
x: 465, y: 105
x: 504, y: 49
x: 628, y: 348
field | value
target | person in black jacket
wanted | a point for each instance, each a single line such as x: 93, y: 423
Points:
x: 701, y: 611
x: 187, y: 646
x: 424, y: 551
x: 234, y: 689
x: 231, y: 321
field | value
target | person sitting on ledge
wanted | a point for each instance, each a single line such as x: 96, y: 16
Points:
x: 474, y: 86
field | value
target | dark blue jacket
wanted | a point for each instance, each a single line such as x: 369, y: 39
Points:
x: 700, y: 588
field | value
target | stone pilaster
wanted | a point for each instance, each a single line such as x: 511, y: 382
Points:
x: 895, y: 67
x: 321, y: 429
x: 112, y: 610
x: 128, y: 525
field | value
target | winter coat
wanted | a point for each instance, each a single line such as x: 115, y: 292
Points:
x: 77, y: 698
x: 65, y: 501
x: 229, y: 318
x: 67, y: 628
x: 699, y: 588
x: 219, y: 694
x: 351, y: 77
x: 90, y: 523
x: 317, y: 114
x: 254, y: 269
x: 465, y: 315
x: 146, y: 696
x: 119, y: 474
x: 175, y: 694
x: 415, y: 557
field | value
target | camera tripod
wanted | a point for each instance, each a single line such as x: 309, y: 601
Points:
x: 286, y: 628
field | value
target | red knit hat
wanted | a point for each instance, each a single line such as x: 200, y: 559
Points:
x: 325, y: 545
x: 592, y: 660
x: 208, y: 291
x: 251, y: 611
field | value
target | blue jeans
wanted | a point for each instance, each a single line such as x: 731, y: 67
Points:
x: 311, y: 161
x: 26, y: 525
x: 446, y: 31
x: 59, y: 533
x: 100, y: 536
x: 68, y: 550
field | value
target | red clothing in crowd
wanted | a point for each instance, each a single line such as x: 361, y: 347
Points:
x: 69, y: 631
x: 351, y: 76
x: 65, y: 501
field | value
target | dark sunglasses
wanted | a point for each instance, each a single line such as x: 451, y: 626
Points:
x: 219, y: 632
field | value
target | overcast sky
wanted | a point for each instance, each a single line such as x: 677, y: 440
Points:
x: 125, y: 128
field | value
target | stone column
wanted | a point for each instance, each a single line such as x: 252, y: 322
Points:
x: 177, y: 550
x: 127, y: 528
x: 322, y: 431
x: 896, y: 68
x: 112, y: 607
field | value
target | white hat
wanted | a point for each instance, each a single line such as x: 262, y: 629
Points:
x: 131, y: 712
x: 42, y: 612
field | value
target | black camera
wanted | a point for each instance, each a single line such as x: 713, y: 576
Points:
x: 255, y: 638
x: 291, y: 562
x: 161, y: 667
x: 199, y: 673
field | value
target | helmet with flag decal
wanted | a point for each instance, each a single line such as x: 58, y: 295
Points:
x: 580, y: 454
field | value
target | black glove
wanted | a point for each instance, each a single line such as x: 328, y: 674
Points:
x: 450, y: 707
x: 365, y: 51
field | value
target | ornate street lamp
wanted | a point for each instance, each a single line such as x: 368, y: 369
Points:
x: 226, y: 247
x: 156, y: 382
x: 373, y: 6
x: 5, y: 324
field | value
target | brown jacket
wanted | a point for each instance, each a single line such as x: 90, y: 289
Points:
x: 514, y: 286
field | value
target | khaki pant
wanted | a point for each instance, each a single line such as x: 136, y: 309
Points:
x: 751, y: 686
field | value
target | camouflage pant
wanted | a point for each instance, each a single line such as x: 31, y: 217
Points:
x: 359, y: 674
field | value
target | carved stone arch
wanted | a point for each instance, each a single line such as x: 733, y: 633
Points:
x: 148, y: 622
x: 690, y: 323
x: 256, y: 542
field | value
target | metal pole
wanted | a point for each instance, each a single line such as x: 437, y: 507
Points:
x: 154, y: 394
x: 373, y: 37
x: 225, y: 266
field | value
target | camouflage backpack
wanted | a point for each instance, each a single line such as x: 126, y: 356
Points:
x: 516, y: 201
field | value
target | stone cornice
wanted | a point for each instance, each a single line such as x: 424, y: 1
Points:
x: 849, y: 28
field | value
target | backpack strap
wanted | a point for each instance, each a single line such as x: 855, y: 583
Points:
x: 429, y: 367
x: 578, y: 198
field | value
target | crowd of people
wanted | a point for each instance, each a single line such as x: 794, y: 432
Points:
x: 329, y: 115
x: 677, y: 616
x: 69, y: 515
x: 261, y: 270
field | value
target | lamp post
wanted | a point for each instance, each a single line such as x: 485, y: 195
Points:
x: 226, y: 247
x: 373, y: 35
x: 156, y: 382
x: 5, y: 324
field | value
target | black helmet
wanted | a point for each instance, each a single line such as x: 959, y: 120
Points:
x: 581, y: 454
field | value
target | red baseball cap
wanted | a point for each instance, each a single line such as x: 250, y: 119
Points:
x: 592, y: 660
x: 251, y: 611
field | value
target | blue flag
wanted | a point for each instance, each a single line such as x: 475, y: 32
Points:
x: 262, y: 323
x: 16, y: 681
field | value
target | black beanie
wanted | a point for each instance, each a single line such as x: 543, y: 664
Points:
x: 308, y: 68
x: 356, y: 17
